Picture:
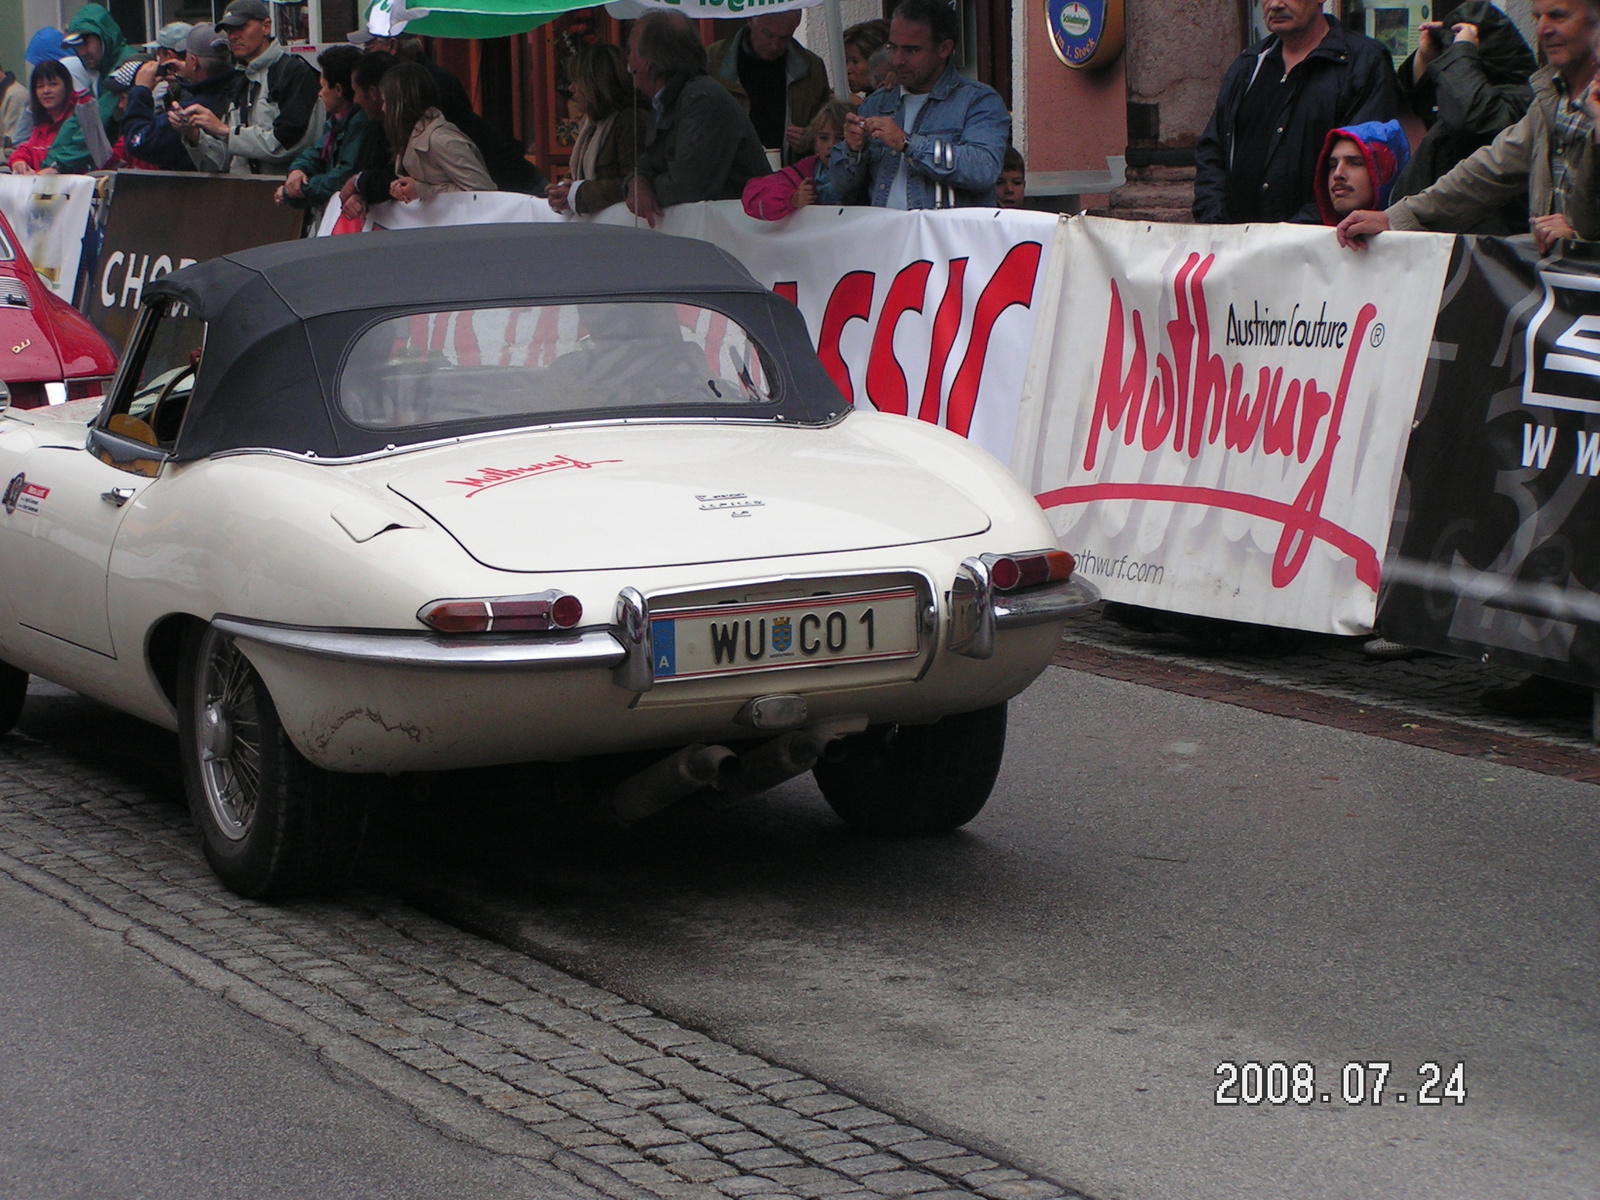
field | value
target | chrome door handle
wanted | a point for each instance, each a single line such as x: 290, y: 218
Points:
x: 119, y: 496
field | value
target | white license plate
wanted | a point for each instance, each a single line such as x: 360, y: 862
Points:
x: 733, y: 639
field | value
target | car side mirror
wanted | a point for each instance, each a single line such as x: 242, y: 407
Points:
x: 116, y: 448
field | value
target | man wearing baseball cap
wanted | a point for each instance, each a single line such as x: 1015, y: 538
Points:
x: 275, y: 111
x: 152, y: 128
x: 97, y: 46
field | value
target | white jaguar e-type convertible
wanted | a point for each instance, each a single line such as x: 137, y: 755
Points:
x: 427, y: 500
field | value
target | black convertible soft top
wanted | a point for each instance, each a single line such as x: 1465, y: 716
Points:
x: 281, y: 318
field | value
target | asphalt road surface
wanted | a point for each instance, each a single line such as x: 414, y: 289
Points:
x: 1161, y: 884
x: 119, y: 1079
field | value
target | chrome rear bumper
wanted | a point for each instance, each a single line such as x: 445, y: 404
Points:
x: 1039, y: 606
x: 428, y: 651
x: 625, y: 645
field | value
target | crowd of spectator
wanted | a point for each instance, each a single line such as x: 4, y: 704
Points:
x: 667, y: 121
x: 1311, y: 123
x: 1308, y: 127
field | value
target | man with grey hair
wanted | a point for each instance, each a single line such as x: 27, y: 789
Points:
x: 1549, y: 156
x: 276, y: 110
x: 780, y: 83
x: 704, y: 146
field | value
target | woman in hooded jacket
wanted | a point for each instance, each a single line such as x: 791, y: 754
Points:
x: 1467, y: 81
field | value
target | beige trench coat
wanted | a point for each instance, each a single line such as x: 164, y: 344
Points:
x: 443, y: 159
x: 1516, y: 160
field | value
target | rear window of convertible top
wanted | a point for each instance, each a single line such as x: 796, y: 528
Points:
x: 438, y: 368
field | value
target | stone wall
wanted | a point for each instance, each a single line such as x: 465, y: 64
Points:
x: 1176, y: 56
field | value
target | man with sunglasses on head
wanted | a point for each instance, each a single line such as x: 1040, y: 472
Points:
x: 938, y: 139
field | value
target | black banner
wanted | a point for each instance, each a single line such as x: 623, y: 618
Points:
x: 158, y: 221
x: 1494, y: 552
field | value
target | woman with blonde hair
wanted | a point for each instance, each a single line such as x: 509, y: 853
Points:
x: 614, y: 126
x: 432, y: 155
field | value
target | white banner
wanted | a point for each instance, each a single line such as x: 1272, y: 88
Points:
x: 50, y: 214
x: 448, y: 208
x: 1216, y: 416
x: 926, y: 314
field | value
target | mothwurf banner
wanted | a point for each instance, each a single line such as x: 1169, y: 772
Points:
x: 1215, y: 416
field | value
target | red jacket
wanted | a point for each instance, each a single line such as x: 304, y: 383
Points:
x: 31, y: 153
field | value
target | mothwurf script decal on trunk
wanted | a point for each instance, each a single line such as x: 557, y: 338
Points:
x: 1227, y: 409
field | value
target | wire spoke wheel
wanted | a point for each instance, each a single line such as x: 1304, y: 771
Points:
x: 272, y: 824
x: 228, y: 713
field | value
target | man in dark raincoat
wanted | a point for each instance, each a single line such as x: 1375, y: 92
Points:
x: 1468, y: 80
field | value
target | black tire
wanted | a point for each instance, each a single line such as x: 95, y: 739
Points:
x: 273, y: 825
x: 916, y: 780
x: 13, y: 691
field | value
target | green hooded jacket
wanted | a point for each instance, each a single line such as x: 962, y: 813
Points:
x: 69, y: 154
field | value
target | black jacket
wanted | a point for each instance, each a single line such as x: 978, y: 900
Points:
x: 703, y: 146
x: 1466, y: 97
x: 1347, y: 79
x: 145, y: 131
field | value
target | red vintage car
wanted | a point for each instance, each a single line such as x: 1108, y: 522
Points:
x: 49, y: 352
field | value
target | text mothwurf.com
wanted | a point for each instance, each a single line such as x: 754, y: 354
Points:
x: 1124, y: 567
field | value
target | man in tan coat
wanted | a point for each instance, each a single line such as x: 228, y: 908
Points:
x: 776, y: 80
x: 1549, y: 155
x: 13, y: 99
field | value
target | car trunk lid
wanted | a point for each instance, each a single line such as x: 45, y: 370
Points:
x: 664, y: 495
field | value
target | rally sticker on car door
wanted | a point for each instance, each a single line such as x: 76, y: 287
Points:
x: 733, y: 639
x: 22, y: 496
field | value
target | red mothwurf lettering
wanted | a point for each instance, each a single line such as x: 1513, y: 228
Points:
x: 1192, y: 398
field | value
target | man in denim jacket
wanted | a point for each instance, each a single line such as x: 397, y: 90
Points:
x: 936, y: 141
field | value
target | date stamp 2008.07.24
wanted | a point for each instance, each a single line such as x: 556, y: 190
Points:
x: 1282, y: 1083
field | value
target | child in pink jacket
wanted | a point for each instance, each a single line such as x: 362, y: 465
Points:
x: 773, y: 197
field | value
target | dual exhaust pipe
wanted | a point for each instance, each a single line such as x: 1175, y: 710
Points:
x: 726, y: 776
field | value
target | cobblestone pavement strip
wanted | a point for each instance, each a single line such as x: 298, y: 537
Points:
x: 599, y: 1095
x: 1428, y: 701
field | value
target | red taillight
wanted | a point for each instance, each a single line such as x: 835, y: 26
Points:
x: 504, y: 614
x: 566, y: 612
x: 459, y: 616
x: 1012, y: 571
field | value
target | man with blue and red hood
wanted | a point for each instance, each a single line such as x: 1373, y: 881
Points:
x: 1357, y: 168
